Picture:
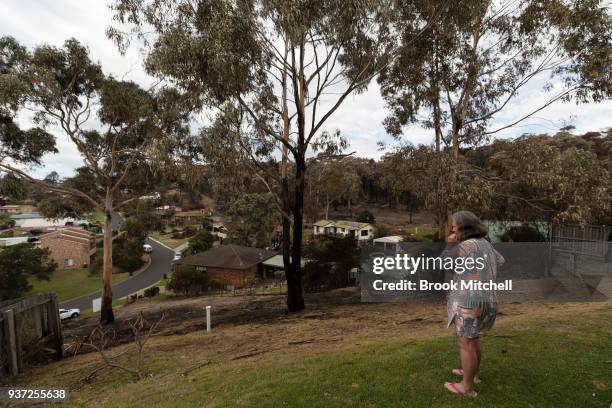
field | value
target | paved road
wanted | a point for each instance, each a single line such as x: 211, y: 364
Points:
x: 161, y: 257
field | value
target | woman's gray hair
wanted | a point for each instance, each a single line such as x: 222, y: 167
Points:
x: 469, y: 225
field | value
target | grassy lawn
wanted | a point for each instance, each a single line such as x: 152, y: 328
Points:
x: 72, y: 283
x: 167, y: 239
x: 559, y: 362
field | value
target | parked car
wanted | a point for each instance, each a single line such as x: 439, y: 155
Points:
x: 147, y: 248
x: 69, y: 313
x: 177, y: 256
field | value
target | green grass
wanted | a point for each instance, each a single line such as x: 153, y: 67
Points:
x: 167, y: 239
x: 72, y: 283
x: 549, y: 363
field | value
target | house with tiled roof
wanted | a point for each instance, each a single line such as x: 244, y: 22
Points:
x: 233, y: 265
x: 71, y: 248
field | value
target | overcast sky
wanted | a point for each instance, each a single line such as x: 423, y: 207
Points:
x: 360, y: 118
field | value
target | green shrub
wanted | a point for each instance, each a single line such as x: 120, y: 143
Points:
x: 186, y: 280
x: 523, y: 233
x: 95, y: 266
x: 382, y: 230
x: 366, y: 216
x: 330, y: 260
x: 200, y: 242
x: 151, y: 292
x: 127, y: 254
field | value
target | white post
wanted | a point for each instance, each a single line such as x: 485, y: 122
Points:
x: 208, y: 319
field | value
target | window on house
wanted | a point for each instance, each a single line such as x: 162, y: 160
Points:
x: 364, y: 233
x: 343, y: 230
x: 68, y: 262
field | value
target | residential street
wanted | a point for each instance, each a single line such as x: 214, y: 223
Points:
x: 160, y: 264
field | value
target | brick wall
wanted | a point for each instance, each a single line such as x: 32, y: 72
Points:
x: 234, y: 277
x: 65, y: 248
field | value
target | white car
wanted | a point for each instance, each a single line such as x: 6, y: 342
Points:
x: 177, y: 256
x: 147, y: 248
x: 69, y: 313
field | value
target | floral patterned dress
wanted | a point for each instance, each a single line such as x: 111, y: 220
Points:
x: 473, y: 310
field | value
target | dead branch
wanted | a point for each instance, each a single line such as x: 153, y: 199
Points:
x: 100, y: 338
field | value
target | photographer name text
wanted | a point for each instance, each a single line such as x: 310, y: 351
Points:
x: 406, y: 285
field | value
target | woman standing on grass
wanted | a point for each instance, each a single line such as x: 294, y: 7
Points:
x: 471, y: 311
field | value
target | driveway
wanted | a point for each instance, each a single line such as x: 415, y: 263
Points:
x: 161, y: 258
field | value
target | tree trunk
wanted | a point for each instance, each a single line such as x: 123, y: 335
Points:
x: 106, y: 313
x: 295, y: 292
x: 295, y: 297
x: 327, y: 206
x: 446, y: 221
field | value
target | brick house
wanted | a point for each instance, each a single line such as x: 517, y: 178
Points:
x: 233, y: 265
x: 71, y: 248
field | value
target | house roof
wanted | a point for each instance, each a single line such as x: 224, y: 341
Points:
x: 342, y: 224
x: 352, y: 224
x: 26, y: 216
x: 228, y: 256
x: 70, y: 235
x: 40, y: 222
x: 393, y: 239
x: 13, y: 241
x: 192, y: 213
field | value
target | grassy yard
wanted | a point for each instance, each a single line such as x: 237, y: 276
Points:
x: 563, y: 361
x: 72, y: 283
x: 167, y: 239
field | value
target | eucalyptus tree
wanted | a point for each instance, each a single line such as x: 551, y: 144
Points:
x: 423, y: 171
x: 17, y: 146
x: 115, y: 125
x: 540, y: 180
x: 478, y: 57
x: 285, y: 66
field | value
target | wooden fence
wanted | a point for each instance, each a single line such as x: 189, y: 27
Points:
x: 29, y: 327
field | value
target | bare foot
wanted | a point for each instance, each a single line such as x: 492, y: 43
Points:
x: 457, y: 388
x: 459, y: 372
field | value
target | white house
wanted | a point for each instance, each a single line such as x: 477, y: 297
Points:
x: 391, y: 242
x: 361, y: 231
x: 35, y: 220
x: 4, y: 242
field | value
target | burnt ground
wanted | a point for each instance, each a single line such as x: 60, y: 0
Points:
x: 186, y: 315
